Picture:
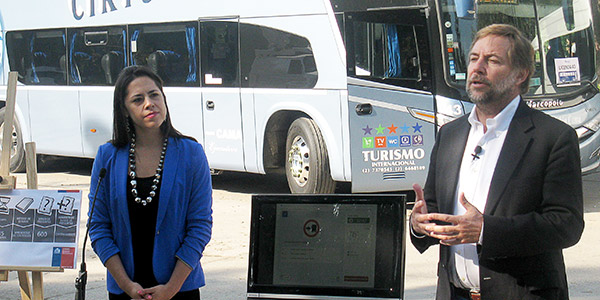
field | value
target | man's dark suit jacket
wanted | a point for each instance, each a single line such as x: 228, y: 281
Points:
x: 534, y: 207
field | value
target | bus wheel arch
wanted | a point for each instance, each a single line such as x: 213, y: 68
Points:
x: 275, y: 137
x: 17, y: 155
x: 276, y: 150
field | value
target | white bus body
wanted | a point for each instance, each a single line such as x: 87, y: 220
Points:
x: 74, y: 120
x: 329, y: 90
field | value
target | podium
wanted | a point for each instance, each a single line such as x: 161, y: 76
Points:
x: 327, y: 247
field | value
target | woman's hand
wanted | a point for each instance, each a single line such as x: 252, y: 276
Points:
x: 130, y: 287
x: 159, y: 292
x: 134, y: 289
x: 168, y: 290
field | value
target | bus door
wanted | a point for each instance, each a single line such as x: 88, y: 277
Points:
x: 389, y: 146
x: 390, y: 104
x: 221, y: 99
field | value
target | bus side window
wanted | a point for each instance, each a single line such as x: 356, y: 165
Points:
x: 16, y: 44
x: 95, y: 55
x: 273, y: 58
x: 408, y: 48
x: 388, y: 52
x: 168, y: 49
x: 112, y: 63
x: 219, y: 51
x: 423, y: 52
x: 36, y: 55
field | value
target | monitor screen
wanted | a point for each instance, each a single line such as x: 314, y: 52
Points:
x: 350, y: 246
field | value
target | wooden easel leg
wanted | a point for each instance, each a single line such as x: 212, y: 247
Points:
x: 3, y: 275
x: 24, y: 284
x: 38, y: 285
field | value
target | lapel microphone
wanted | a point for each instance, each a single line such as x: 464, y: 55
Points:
x: 81, y: 280
x: 476, y: 153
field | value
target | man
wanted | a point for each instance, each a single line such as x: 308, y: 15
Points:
x: 503, y: 195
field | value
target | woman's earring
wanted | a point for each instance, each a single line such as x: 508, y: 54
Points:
x: 127, y: 125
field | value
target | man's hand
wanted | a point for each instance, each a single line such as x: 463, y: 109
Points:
x: 418, y: 218
x: 463, y: 229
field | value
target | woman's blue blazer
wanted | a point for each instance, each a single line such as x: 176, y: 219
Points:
x: 184, y: 220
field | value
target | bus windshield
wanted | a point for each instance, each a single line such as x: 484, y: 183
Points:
x: 562, y: 29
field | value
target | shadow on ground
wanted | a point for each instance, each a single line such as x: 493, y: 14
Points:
x: 591, y: 191
x: 273, y: 183
x: 239, y: 182
x: 70, y: 165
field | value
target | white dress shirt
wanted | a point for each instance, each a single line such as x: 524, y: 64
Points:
x: 474, y: 181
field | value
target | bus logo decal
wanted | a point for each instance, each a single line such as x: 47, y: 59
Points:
x: 380, y: 142
x: 394, y: 157
x: 392, y: 129
x: 405, y: 128
x: 417, y: 127
x: 367, y: 142
x: 78, y: 11
x: 393, y: 141
x: 417, y: 139
x: 405, y: 141
x: 545, y: 103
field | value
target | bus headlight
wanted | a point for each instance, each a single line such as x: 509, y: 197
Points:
x: 589, y: 128
x: 583, y: 133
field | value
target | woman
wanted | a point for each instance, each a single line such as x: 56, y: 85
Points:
x: 152, y: 217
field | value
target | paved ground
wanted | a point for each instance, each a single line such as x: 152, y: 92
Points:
x: 225, y: 259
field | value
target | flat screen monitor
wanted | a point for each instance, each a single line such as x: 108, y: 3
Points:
x: 327, y: 247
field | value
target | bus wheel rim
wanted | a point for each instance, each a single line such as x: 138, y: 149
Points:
x: 299, y: 159
x: 13, y: 144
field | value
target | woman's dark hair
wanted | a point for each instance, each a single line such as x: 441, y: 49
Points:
x: 121, y: 134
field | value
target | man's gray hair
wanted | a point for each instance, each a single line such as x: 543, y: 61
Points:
x: 520, y: 52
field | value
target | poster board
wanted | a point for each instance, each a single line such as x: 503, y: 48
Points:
x: 39, y: 228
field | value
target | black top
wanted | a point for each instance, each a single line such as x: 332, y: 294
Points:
x: 143, y: 225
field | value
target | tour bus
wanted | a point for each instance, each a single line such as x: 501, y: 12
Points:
x: 326, y: 90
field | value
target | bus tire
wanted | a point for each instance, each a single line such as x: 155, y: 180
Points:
x: 307, y: 162
x: 17, y: 153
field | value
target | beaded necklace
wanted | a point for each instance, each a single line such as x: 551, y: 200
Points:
x: 133, y: 175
